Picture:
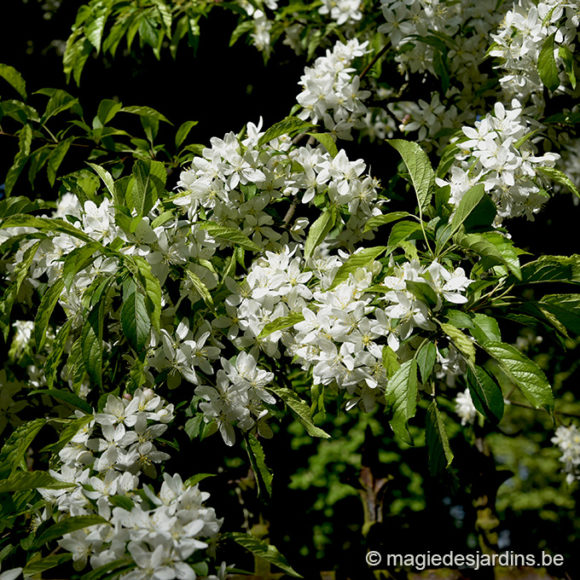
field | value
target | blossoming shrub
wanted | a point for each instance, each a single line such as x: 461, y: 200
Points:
x: 146, y: 316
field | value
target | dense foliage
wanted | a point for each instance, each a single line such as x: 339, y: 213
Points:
x: 348, y: 326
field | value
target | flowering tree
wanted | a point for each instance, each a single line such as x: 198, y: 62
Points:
x: 164, y: 302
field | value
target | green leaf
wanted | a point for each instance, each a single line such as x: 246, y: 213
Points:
x: 390, y: 361
x: 15, y: 449
x: 525, y: 373
x: 232, y: 235
x: 426, y: 357
x: 135, y: 321
x: 122, y: 501
x: 45, y: 309
x: 281, y: 323
x: 65, y: 397
x: 566, y: 309
x: 50, y: 225
x: 381, y: 220
x: 200, y: 287
x: 55, y: 354
x: 117, y: 567
x: 560, y: 177
x: 547, y: 64
x: 78, y: 260
x: 58, y: 102
x: 423, y: 292
x: 461, y: 341
x: 485, y: 328
x: 327, y: 141
x: 552, y: 269
x: 359, y: 260
x: 318, y: 231
x: 419, y: 168
x: 19, y: 274
x: 148, y: 183
x: 14, y: 78
x: 72, y: 427
x: 567, y: 57
x: 105, y: 176
x: 56, y: 158
x: 258, y: 461
x: 146, y: 112
x: 92, y: 337
x: 467, y: 204
x: 37, y: 565
x: 95, y: 27
x: 288, y: 126
x: 183, y: 132
x: 300, y: 409
x: 401, y: 232
x: 264, y: 551
x: 24, y: 480
x: 107, y: 110
x: 479, y: 244
x: 401, y: 396
x: 149, y: 286
x: 440, y: 454
x: 195, y: 479
x: 485, y: 393
x: 66, y: 526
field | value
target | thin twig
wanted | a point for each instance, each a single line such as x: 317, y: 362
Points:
x: 373, y: 62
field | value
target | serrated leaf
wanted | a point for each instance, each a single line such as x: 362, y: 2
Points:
x: 78, y: 260
x: 146, y: 112
x: 105, y: 176
x: 66, y: 397
x: 426, y: 357
x: 200, y: 287
x: 45, y: 309
x: 24, y: 480
x: 232, y: 235
x: 401, y: 396
x: 58, y: 102
x: 16, y: 446
x: 148, y: 183
x: 149, y: 286
x: 38, y: 565
x: 525, y: 373
x: 107, y: 110
x: 552, y: 269
x: 566, y: 309
x: 561, y: 178
x: 401, y: 232
x: 318, y: 232
x: 419, y: 168
x: 55, y: 354
x: 440, y: 454
x: 467, y: 204
x: 281, y: 323
x: 288, y: 126
x: 547, y: 67
x: 56, y: 158
x: 135, y: 321
x: 390, y: 361
x: 95, y: 26
x: 183, y: 132
x: 14, y: 79
x: 195, y: 479
x: 461, y: 341
x: 485, y: 393
x: 423, y: 292
x: 300, y: 409
x: 356, y: 261
x: 68, y: 525
x: 485, y: 328
x: 264, y: 551
x: 479, y: 244
x: 382, y: 220
x: 258, y: 461
x: 51, y: 225
x: 122, y: 501
x: 327, y: 141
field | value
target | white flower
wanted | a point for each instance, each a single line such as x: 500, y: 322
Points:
x: 464, y: 407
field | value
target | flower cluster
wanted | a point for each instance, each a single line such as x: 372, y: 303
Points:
x: 568, y: 440
x: 103, y: 462
x: 342, y: 11
x: 499, y: 153
x: 331, y: 93
x: 520, y: 40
